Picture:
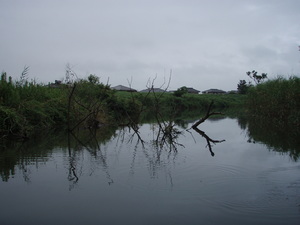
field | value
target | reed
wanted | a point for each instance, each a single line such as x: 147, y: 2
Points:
x: 277, y: 99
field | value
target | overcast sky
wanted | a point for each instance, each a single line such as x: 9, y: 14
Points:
x: 206, y: 44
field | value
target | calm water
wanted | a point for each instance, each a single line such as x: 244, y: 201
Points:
x: 113, y: 177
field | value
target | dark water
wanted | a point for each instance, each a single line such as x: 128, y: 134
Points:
x: 113, y: 177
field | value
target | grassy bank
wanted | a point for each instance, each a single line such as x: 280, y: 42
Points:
x: 169, y: 103
x: 277, y: 100
x: 27, y: 107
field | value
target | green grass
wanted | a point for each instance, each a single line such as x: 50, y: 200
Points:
x: 187, y: 101
x: 167, y: 106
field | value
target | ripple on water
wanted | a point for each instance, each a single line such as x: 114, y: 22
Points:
x: 273, y: 193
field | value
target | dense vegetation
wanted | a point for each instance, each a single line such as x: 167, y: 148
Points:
x: 27, y: 107
x: 278, y: 100
x: 169, y: 105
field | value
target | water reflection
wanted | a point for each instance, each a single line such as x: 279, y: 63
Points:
x: 22, y: 155
x: 89, y: 140
x: 209, y: 141
x: 167, y: 136
x: 109, y: 176
x: 284, y: 139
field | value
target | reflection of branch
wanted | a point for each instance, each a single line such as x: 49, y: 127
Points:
x: 72, y: 176
x: 102, y: 157
x: 25, y: 172
x: 208, y: 140
x: 208, y: 114
x: 167, y: 135
x: 72, y: 171
x: 135, y: 128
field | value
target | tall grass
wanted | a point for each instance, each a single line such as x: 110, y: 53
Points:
x: 26, y: 107
x: 277, y: 100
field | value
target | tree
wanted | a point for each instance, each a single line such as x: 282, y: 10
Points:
x: 93, y: 79
x: 256, y: 77
x: 243, y: 87
x: 181, y: 91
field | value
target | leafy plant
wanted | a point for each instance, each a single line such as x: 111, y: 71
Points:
x: 181, y: 91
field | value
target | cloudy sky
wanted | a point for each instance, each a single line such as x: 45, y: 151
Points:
x: 201, y: 43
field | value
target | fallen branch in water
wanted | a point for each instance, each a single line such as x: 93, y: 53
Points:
x: 208, y: 114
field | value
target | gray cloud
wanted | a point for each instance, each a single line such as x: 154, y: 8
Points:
x: 205, y: 43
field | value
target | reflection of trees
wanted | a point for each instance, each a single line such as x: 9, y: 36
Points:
x: 167, y: 136
x: 37, y: 151
x: 159, y: 149
x: 87, y: 140
x: 278, y: 138
x: 156, y: 149
x: 34, y: 151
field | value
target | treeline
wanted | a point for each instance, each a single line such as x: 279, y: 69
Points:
x: 277, y: 101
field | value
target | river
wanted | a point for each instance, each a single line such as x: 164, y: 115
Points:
x: 227, y: 172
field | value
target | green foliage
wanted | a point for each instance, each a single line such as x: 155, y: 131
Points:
x: 27, y: 107
x: 170, y: 106
x: 277, y: 100
x: 256, y: 77
x: 11, y: 121
x: 181, y: 91
x: 243, y: 87
x: 93, y: 79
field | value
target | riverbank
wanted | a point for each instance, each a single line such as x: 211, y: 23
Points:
x: 27, y: 107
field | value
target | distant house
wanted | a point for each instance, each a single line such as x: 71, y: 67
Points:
x: 192, y: 90
x: 214, y: 91
x: 152, y: 90
x: 123, y: 88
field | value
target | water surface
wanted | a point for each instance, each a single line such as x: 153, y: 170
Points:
x: 119, y: 177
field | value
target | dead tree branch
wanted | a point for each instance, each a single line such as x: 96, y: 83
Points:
x: 208, y: 114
